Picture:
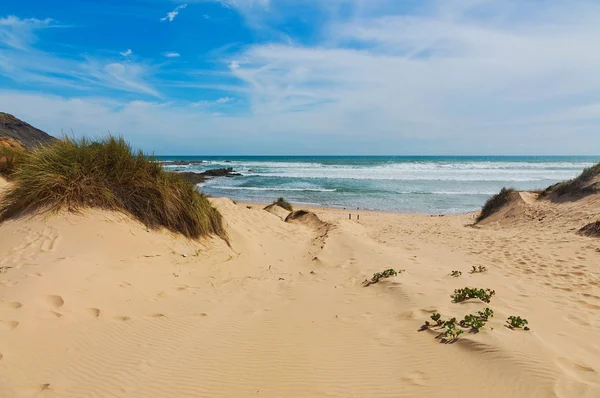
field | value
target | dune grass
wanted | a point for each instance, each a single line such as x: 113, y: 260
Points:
x: 10, y: 158
x: 592, y: 230
x: 73, y: 174
x: 577, y: 187
x: 281, y: 202
x: 494, y: 203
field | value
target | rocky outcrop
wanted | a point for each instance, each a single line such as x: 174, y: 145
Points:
x: 196, y: 178
x: 15, y: 133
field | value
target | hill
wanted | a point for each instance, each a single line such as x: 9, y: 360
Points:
x: 15, y: 133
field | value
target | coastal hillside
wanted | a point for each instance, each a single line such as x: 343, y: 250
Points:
x: 15, y: 133
x: 95, y: 304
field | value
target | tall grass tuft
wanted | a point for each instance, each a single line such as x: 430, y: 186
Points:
x: 10, y: 158
x: 495, y: 203
x: 73, y: 174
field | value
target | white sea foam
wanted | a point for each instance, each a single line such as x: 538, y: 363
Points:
x: 238, y: 188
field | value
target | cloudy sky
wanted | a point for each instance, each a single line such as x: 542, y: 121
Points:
x: 309, y: 76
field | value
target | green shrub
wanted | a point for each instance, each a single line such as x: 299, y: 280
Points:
x: 516, y: 322
x: 495, y: 203
x: 281, y: 202
x: 74, y: 174
x: 467, y: 293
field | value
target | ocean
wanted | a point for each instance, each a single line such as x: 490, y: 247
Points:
x: 409, y: 184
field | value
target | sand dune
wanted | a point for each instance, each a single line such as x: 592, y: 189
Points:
x: 96, y: 305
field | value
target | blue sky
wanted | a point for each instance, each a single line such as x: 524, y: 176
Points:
x: 308, y: 76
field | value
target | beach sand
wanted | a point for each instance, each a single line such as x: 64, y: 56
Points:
x: 95, y: 305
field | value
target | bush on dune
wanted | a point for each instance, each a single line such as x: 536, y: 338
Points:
x: 494, y: 203
x: 74, y: 174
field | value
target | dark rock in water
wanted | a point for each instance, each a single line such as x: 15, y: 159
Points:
x: 15, y: 132
x: 225, y: 172
x: 182, y: 162
x: 196, y: 178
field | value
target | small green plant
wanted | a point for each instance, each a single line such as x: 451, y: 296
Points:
x: 478, y: 270
x: 516, y: 322
x: 382, y: 275
x: 485, y: 314
x: 467, y: 293
x: 452, y: 331
x: 472, y: 321
x: 437, y: 318
x: 281, y: 202
x: 456, y: 274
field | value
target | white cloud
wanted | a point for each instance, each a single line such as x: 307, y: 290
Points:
x: 171, y: 15
x: 455, y: 76
x: 24, y: 63
x: 171, y: 54
x: 19, y: 33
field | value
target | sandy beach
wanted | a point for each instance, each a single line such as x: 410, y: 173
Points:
x: 97, y: 305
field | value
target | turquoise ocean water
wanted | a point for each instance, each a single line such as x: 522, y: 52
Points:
x: 414, y: 184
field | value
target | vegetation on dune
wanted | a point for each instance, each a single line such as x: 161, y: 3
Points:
x: 478, y: 270
x: 281, y: 202
x: 382, y: 275
x: 10, y: 158
x: 579, y: 186
x: 296, y: 214
x: 467, y: 293
x: 72, y: 174
x: 592, y: 230
x: 495, y: 203
x: 516, y: 322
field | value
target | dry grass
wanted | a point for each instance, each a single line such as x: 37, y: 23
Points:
x: 281, y: 202
x: 296, y: 215
x: 592, y: 230
x: 578, y: 187
x: 495, y: 203
x: 10, y: 158
x: 74, y: 174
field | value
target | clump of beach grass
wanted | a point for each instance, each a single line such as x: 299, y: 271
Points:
x: 495, y: 203
x: 281, y: 202
x: 10, y: 158
x: 72, y: 174
x: 580, y: 186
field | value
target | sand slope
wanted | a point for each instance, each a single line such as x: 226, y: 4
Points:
x: 94, y: 305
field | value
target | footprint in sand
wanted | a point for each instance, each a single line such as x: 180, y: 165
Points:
x: 10, y: 325
x: 11, y: 304
x: 56, y: 314
x: 1, y: 356
x: 123, y: 318
x: 157, y: 316
x: 55, y: 301
x: 95, y: 312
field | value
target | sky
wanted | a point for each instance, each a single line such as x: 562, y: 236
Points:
x: 309, y: 77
